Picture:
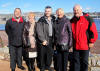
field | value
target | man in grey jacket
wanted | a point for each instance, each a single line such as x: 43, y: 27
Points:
x: 44, y: 32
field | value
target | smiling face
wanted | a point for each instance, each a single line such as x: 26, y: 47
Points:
x: 31, y: 17
x: 60, y: 13
x: 17, y: 13
x: 77, y: 10
x: 48, y: 12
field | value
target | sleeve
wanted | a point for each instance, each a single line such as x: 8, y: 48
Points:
x: 54, y: 29
x: 24, y: 38
x: 39, y: 31
x: 7, y: 28
x: 35, y: 30
x: 93, y: 31
x: 70, y: 33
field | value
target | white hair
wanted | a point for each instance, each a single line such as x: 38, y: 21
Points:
x: 60, y: 9
x: 78, y: 6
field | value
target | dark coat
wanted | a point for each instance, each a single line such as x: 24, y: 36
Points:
x: 14, y: 31
x: 63, y: 32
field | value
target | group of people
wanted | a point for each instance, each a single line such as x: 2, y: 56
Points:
x: 51, y: 35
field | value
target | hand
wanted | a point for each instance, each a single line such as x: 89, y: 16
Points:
x: 91, y: 45
x: 71, y: 50
x: 44, y: 42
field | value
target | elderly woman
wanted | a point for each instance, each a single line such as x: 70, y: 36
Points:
x: 29, y: 40
x: 63, y: 40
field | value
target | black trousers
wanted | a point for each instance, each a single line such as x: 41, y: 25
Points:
x: 15, y: 56
x: 61, y: 60
x: 30, y: 64
x: 81, y: 60
x: 45, y: 54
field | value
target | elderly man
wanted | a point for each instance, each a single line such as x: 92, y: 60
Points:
x: 14, y: 29
x: 84, y: 35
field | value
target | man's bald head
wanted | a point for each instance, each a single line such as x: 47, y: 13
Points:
x: 77, y: 6
x: 77, y: 10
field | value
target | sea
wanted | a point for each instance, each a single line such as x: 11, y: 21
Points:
x: 97, y: 22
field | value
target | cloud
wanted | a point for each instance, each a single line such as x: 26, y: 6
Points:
x: 6, y: 5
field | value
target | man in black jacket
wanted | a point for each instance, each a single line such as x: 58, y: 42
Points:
x: 14, y: 29
x: 44, y: 32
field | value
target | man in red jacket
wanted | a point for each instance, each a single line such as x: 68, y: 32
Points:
x: 84, y: 35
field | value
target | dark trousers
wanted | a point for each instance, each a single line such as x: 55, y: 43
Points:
x: 45, y: 54
x: 81, y: 60
x: 15, y: 56
x: 29, y: 61
x: 61, y: 60
x: 46, y: 57
x: 70, y: 59
x: 30, y: 64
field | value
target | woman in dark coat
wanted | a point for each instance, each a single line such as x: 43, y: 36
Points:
x: 29, y: 40
x: 63, y: 40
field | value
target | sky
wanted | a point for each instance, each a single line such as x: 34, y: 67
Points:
x: 8, y: 6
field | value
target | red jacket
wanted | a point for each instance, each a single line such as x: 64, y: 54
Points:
x: 84, y: 32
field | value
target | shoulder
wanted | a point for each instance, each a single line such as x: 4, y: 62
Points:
x: 26, y: 23
x: 88, y: 17
x: 72, y: 19
x: 53, y: 17
x: 9, y: 21
x: 41, y: 19
x: 66, y: 20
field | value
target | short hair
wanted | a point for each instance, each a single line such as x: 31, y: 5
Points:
x: 31, y: 13
x: 48, y: 7
x: 60, y: 9
x: 18, y: 9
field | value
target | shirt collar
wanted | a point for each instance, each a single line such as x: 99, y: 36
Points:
x: 20, y: 21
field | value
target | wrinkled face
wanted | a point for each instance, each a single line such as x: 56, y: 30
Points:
x: 31, y: 18
x: 17, y: 13
x: 60, y: 13
x: 77, y: 11
x: 48, y: 12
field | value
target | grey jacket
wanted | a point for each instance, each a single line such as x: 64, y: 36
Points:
x: 42, y: 30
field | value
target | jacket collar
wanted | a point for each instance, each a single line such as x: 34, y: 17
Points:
x: 64, y: 17
x: 43, y: 18
x: 20, y: 21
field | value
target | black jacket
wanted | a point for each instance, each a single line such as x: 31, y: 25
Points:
x: 42, y: 29
x: 14, y: 31
x: 63, y: 31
